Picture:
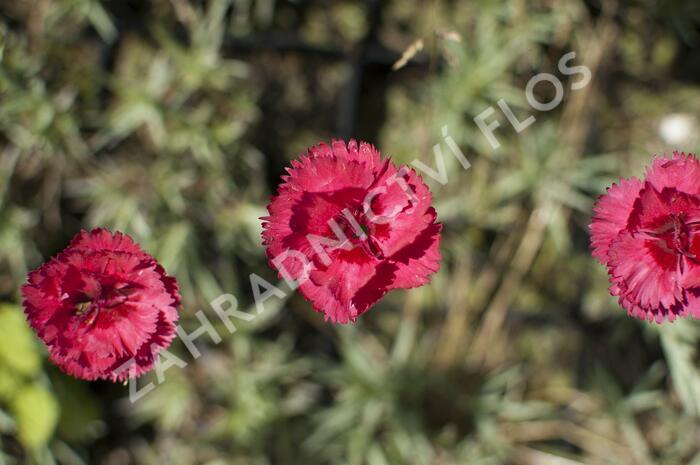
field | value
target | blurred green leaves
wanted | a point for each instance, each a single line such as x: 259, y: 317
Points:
x: 143, y: 117
x: 36, y: 412
x: 33, y: 406
x: 18, y: 348
x: 680, y: 342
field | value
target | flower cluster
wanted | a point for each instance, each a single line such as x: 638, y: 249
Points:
x: 103, y: 307
x: 647, y: 233
x: 347, y: 227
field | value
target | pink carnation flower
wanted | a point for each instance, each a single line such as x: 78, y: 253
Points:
x: 647, y: 233
x: 103, y: 307
x: 348, y: 227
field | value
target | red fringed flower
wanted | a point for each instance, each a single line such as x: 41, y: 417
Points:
x: 647, y: 233
x: 348, y: 227
x: 100, y: 304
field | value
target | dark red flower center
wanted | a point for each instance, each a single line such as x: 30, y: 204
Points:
x: 96, y: 296
x: 677, y: 236
x: 360, y: 232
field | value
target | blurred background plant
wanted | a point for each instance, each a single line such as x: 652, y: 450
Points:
x: 172, y: 120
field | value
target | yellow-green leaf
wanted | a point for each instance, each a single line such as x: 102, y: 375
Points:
x: 18, y: 348
x: 36, y: 412
x: 10, y: 382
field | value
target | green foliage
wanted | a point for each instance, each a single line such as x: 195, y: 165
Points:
x: 34, y: 409
x: 18, y: 349
x: 172, y: 120
x: 36, y: 412
x: 680, y: 343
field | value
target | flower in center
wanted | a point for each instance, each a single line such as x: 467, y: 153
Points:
x: 347, y: 226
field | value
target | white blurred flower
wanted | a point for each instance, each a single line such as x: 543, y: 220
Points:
x: 678, y: 128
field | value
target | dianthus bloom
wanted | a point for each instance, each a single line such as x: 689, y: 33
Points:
x: 647, y: 233
x: 103, y: 307
x: 348, y: 227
